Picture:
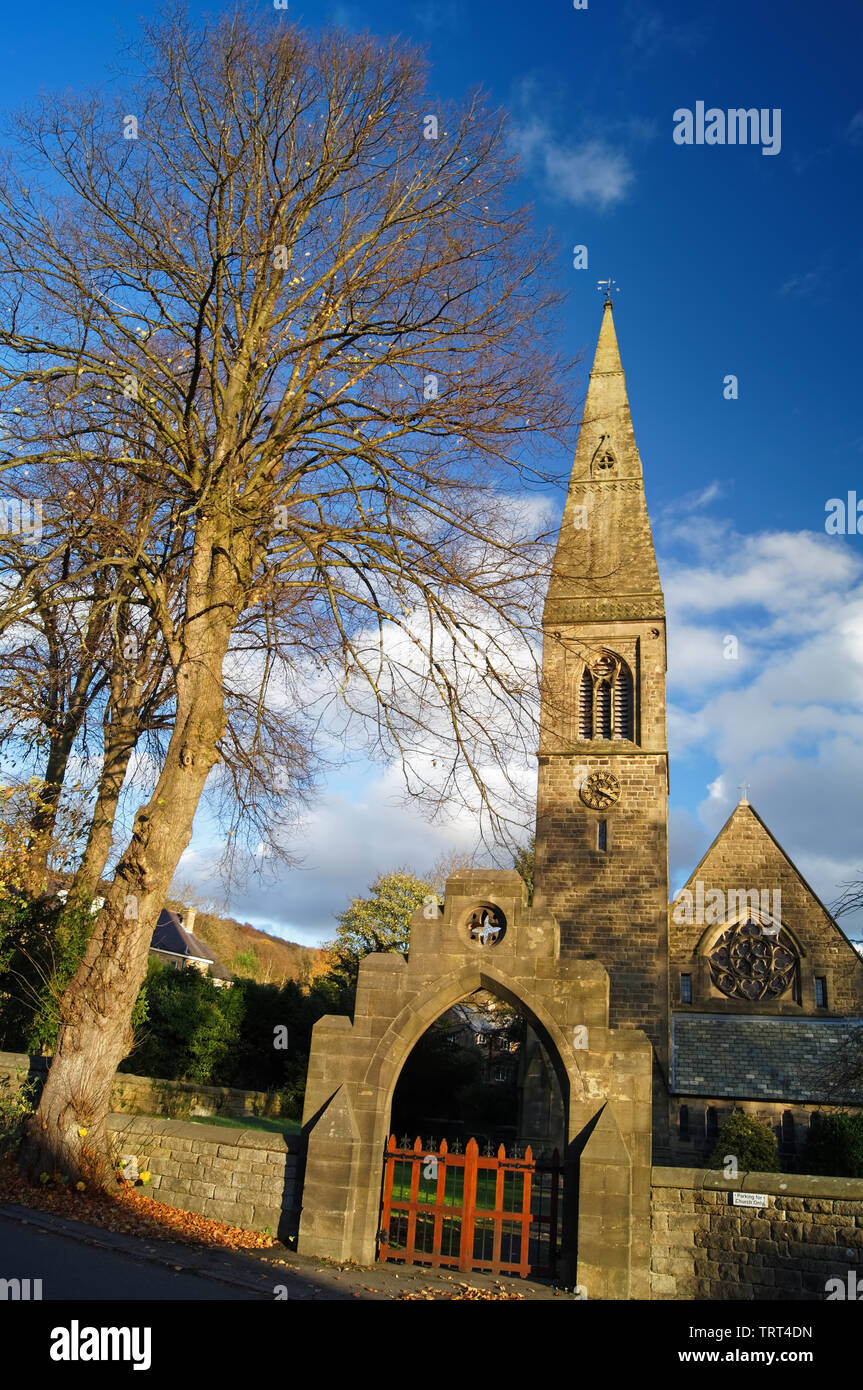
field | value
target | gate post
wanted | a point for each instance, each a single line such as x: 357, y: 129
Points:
x: 326, y: 1221
x: 606, y: 1212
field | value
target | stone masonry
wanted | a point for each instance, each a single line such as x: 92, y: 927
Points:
x: 745, y: 855
x: 811, y: 1231
x: 603, y: 870
x: 605, y: 1077
x: 243, y: 1177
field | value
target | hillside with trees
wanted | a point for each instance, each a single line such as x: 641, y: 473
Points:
x: 254, y: 954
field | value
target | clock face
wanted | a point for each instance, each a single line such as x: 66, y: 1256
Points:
x: 600, y: 790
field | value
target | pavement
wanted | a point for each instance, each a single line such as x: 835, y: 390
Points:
x: 76, y: 1260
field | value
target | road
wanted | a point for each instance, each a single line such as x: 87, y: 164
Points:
x: 70, y: 1269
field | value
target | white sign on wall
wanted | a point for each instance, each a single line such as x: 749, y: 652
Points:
x: 749, y: 1199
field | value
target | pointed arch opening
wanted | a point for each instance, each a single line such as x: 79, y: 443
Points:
x: 479, y: 1184
x: 482, y: 1070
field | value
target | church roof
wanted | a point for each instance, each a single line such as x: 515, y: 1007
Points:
x: 783, y: 1059
x: 605, y: 564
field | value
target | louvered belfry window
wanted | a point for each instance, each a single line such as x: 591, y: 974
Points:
x: 602, y: 710
x: 605, y: 700
x: 585, y: 705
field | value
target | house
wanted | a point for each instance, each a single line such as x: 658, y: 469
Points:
x: 174, y: 943
x: 480, y: 1027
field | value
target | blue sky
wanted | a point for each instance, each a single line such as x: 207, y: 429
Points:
x: 731, y: 261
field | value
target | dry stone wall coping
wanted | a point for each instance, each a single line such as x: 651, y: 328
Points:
x: 217, y: 1135
x: 773, y: 1184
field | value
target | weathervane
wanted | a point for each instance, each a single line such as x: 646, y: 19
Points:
x: 607, y: 285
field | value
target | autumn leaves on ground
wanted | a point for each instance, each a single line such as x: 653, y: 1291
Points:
x: 126, y: 1210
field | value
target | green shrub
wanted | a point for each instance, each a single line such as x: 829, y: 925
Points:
x: 191, y: 1028
x: 834, y: 1146
x: 41, y: 945
x: 751, y: 1142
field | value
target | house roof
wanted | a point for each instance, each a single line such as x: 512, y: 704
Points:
x: 783, y: 1059
x: 172, y: 937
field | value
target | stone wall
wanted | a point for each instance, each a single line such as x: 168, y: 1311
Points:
x: 146, y: 1095
x: 704, y: 1247
x: 243, y: 1177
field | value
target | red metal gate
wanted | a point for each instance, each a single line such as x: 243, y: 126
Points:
x: 471, y: 1211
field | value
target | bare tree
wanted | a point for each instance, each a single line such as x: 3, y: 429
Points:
x: 849, y: 899
x: 51, y: 676
x: 319, y: 341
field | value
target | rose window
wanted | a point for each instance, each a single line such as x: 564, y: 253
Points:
x: 746, y: 963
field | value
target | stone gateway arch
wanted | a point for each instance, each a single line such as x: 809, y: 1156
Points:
x: 604, y: 1074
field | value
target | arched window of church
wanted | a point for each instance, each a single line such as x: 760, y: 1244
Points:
x: 788, y: 1132
x: 711, y: 1119
x: 605, y: 700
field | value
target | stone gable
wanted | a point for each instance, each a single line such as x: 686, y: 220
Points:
x: 745, y: 856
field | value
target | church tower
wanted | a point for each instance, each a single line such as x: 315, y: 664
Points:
x: 602, y: 807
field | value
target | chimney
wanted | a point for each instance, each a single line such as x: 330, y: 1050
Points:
x: 189, y: 919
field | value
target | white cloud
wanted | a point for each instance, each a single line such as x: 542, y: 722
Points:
x: 433, y: 16
x: 716, y: 790
x: 787, y: 716
x: 650, y: 33
x: 349, y: 838
x: 589, y: 174
x: 804, y: 285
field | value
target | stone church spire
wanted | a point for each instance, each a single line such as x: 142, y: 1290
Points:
x: 605, y: 565
x: 602, y: 793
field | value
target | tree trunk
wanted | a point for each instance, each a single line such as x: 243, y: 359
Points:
x: 44, y: 818
x: 68, y: 1131
x: 121, y: 728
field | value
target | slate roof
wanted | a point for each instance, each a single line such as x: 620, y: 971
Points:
x: 783, y: 1059
x: 170, y: 935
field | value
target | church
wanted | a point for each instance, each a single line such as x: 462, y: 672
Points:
x: 647, y: 1021
x: 746, y: 986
